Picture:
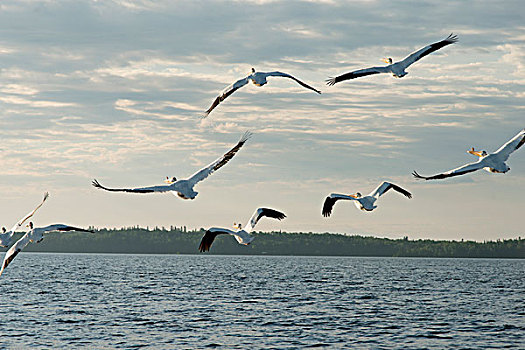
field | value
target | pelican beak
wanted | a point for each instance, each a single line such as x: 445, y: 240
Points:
x: 168, y: 182
x: 353, y: 196
x: 476, y: 153
x: 386, y: 60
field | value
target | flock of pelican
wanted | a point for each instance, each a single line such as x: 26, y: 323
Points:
x: 493, y: 162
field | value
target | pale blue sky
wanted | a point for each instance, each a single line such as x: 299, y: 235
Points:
x: 113, y: 89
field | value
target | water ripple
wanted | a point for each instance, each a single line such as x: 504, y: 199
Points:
x: 101, y: 301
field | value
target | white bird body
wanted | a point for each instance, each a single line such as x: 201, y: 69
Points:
x: 184, y: 188
x: 6, y: 237
x: 365, y: 203
x: 34, y: 235
x: 242, y: 236
x: 397, y: 69
x: 258, y: 79
x: 494, y: 162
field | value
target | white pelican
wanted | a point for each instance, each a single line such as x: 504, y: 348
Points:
x: 7, y: 236
x: 493, y: 162
x: 34, y: 235
x: 366, y: 203
x: 259, y: 79
x: 184, y: 188
x: 396, y: 69
x: 241, y: 235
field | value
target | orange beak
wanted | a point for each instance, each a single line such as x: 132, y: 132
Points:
x: 476, y: 153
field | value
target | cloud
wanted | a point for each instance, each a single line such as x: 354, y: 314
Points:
x: 119, y: 97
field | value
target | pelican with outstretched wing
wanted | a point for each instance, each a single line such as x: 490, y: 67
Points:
x: 241, y: 235
x: 184, y: 188
x: 34, y: 235
x: 7, y: 236
x: 259, y: 79
x: 396, y: 69
x: 493, y: 162
x: 366, y: 203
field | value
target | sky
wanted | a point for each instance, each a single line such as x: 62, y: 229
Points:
x: 113, y: 90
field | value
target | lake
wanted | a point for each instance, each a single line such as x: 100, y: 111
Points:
x: 197, y: 301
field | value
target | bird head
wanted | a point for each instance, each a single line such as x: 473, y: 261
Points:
x: 356, y: 195
x: 170, y: 181
x: 387, y: 60
x: 238, y: 226
x: 477, y: 153
x: 30, y: 225
x: 3, y: 230
x: 253, y: 70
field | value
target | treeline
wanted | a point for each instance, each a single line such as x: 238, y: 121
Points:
x: 179, y: 241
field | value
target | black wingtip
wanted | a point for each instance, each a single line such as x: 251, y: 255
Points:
x: 203, y: 248
x: 417, y: 176
x: 452, y: 38
x: 95, y: 183
x: 326, y: 211
x: 246, y: 136
x: 330, y: 81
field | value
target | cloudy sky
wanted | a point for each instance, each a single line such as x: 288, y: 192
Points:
x: 113, y: 90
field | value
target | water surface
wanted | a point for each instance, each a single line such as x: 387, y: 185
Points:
x: 196, y: 301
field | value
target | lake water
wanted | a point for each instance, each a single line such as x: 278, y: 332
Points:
x: 196, y: 301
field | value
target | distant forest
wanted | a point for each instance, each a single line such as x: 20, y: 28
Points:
x: 179, y: 241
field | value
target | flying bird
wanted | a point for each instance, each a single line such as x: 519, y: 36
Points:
x: 493, y: 162
x: 396, y: 69
x: 7, y: 236
x: 366, y: 203
x: 34, y: 235
x: 184, y: 188
x: 259, y: 79
x: 241, y: 235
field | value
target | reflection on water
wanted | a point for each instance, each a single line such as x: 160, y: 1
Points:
x: 170, y: 301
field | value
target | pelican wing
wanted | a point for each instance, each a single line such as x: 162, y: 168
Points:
x: 209, y: 237
x: 259, y: 213
x: 62, y: 228
x: 329, y: 202
x: 468, y: 168
x: 227, y: 92
x: 14, y: 250
x: 415, y: 56
x: 285, y: 75
x: 25, y: 218
x: 210, y: 169
x: 357, y: 74
x: 385, y: 186
x: 512, y: 145
x: 161, y: 188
